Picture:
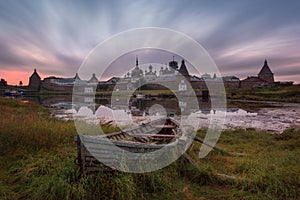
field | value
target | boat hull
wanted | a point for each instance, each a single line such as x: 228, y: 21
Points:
x: 101, y: 153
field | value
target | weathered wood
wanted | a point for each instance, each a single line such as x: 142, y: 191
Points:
x: 111, y: 147
x: 165, y: 126
x: 190, y: 159
x: 155, y: 135
x: 198, y: 139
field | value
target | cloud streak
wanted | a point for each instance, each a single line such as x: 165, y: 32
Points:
x: 55, y: 36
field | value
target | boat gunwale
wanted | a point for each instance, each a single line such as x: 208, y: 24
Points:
x: 138, y: 144
x: 126, y: 131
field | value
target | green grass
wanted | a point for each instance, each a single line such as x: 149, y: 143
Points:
x: 270, y: 167
x: 282, y: 94
x: 38, y: 152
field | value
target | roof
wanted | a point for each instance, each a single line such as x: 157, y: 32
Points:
x: 93, y: 79
x: 183, y: 70
x: 77, y: 77
x: 112, y: 80
x: 196, y: 78
x: 66, y: 80
x: 60, y: 80
x: 230, y: 78
x: 253, y: 79
x: 265, y: 69
x: 35, y: 74
x: 52, y: 77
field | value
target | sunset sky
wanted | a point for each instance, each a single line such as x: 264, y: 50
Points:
x: 55, y: 36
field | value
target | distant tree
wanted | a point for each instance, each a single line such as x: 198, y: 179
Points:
x: 3, y: 82
x: 20, y: 83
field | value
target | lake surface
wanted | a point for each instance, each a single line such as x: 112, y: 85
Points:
x: 274, y: 117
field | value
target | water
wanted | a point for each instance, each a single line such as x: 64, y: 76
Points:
x: 276, y: 118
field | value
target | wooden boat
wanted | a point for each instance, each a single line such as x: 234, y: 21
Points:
x: 148, y: 137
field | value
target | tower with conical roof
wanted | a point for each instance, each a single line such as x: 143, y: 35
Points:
x: 266, y: 74
x: 35, y: 81
x: 183, y: 70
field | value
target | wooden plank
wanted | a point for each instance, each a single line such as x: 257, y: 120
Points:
x: 165, y: 126
x: 198, y: 139
x: 155, y: 135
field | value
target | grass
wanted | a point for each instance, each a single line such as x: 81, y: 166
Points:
x: 269, y: 170
x: 282, y: 94
x: 38, y: 151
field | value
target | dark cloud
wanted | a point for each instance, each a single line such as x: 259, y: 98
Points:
x: 8, y: 57
x: 65, y: 31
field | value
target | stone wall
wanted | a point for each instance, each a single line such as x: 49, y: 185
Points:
x: 252, y: 83
x: 51, y: 86
x: 201, y: 85
x: 232, y: 84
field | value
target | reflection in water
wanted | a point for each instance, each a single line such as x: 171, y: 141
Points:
x: 137, y: 111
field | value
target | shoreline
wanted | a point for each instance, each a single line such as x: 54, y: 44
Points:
x: 289, y: 94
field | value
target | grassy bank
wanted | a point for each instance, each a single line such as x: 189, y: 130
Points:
x: 37, y: 162
x: 282, y: 94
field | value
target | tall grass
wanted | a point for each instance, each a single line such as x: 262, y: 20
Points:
x: 270, y: 169
x: 38, y: 152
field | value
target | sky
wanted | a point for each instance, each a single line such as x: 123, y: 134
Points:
x: 55, y: 36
